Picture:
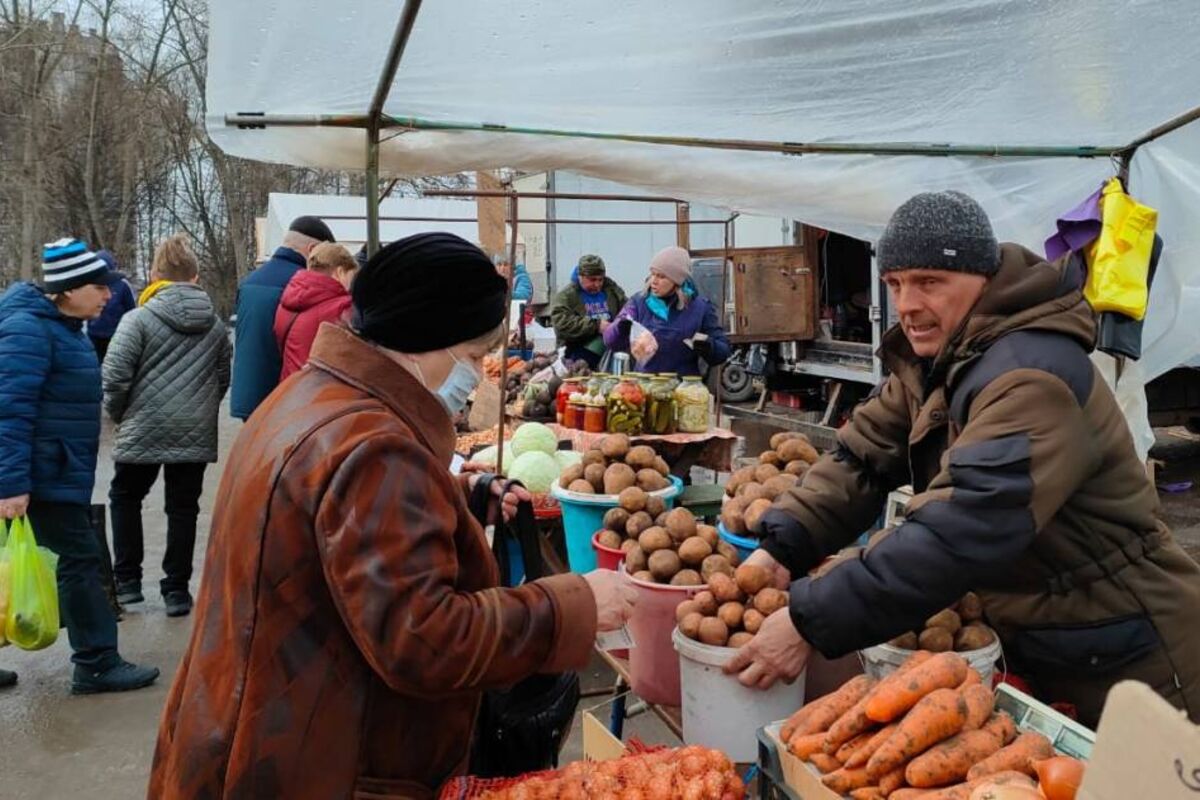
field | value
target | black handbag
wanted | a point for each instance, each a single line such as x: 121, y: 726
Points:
x: 520, y: 729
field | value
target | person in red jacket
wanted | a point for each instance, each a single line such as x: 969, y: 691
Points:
x: 320, y: 293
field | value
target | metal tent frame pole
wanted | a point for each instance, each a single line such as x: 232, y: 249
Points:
x: 375, y: 119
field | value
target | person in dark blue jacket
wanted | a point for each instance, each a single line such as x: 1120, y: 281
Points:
x: 50, y: 391
x: 101, y: 329
x: 256, y: 358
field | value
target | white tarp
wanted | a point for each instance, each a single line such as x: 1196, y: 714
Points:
x: 976, y: 72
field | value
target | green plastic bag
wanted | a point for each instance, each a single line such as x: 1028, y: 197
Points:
x: 32, y: 622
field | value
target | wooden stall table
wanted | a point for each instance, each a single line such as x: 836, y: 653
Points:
x: 671, y: 716
x: 714, y: 449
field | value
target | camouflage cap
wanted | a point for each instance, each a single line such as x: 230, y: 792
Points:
x: 591, y: 266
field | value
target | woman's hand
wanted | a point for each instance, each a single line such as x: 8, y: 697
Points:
x: 511, y: 499
x: 13, y: 507
x: 615, y: 598
x: 508, y: 500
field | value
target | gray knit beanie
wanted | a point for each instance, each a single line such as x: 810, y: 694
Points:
x: 939, y: 230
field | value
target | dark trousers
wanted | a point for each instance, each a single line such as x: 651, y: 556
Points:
x: 66, y: 529
x: 130, y: 485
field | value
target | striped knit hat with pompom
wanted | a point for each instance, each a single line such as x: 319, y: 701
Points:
x: 68, y: 264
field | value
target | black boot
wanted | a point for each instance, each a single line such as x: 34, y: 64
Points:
x: 120, y: 677
x: 178, y: 602
x: 7, y: 678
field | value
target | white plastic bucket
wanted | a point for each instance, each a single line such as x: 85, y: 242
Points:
x: 883, y: 659
x: 718, y: 711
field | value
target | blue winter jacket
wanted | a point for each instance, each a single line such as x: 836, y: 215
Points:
x: 522, y: 285
x: 256, y: 358
x: 50, y: 394
x: 121, y: 302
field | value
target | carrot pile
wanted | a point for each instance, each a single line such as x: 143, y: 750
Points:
x: 926, y: 731
x: 491, y: 366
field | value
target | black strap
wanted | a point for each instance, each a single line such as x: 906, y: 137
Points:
x: 522, y: 528
x: 287, y: 330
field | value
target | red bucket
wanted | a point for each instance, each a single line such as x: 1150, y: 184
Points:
x: 606, y: 557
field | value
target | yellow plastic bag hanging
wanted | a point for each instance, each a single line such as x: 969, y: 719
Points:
x: 32, y: 621
x: 5, y: 580
x: 1119, y: 259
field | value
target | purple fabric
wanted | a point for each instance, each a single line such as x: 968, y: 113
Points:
x: 673, y: 355
x: 1078, y: 228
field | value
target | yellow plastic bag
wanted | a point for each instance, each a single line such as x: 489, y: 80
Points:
x: 5, y: 580
x: 1119, y: 259
x: 32, y: 621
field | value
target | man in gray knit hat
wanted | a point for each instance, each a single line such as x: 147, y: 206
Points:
x: 1027, y: 488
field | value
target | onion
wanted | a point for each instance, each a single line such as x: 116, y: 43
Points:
x: 1059, y: 777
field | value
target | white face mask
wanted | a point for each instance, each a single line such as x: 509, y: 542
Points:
x: 456, y: 390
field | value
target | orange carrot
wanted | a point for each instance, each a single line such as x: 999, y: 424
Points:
x: 845, y: 780
x: 1017, y: 756
x: 839, y: 703
x: 943, y: 671
x: 868, y: 793
x: 848, y: 726
x: 980, y: 702
x: 973, y: 678
x: 892, y: 781
x: 1001, y: 725
x: 937, y: 716
x: 804, y: 746
x: 949, y: 761
x: 851, y: 747
x: 801, y: 715
x: 962, y: 791
x: 864, y: 753
x: 825, y: 763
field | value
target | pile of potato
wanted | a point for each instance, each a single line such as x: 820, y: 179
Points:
x: 615, y: 466
x: 959, y: 628
x: 751, y: 490
x: 663, y: 546
x: 733, y: 607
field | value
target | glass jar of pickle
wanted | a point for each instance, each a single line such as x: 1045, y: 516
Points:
x: 691, y: 405
x: 660, y: 407
x: 607, y: 382
x: 671, y: 378
x: 626, y: 408
x: 573, y: 418
x: 595, y: 414
x: 568, y: 388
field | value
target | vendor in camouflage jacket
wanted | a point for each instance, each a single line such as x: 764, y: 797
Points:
x: 1027, y: 486
x: 584, y: 309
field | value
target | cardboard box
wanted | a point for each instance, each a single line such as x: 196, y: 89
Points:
x: 598, y: 742
x: 1070, y: 737
x: 1145, y: 749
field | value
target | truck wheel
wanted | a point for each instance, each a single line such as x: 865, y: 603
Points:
x: 736, y: 384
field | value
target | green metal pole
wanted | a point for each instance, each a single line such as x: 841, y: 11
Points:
x: 372, y: 190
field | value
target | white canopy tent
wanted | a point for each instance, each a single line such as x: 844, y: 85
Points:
x: 758, y: 106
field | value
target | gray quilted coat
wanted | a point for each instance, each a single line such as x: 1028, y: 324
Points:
x: 165, y: 373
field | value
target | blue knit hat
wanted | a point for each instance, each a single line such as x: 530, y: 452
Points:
x: 68, y: 264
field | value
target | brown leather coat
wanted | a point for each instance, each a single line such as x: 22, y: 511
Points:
x: 348, y: 618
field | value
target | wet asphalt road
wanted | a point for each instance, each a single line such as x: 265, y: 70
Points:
x: 54, y: 745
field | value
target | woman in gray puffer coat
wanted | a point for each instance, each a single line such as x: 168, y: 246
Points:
x: 165, y: 373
